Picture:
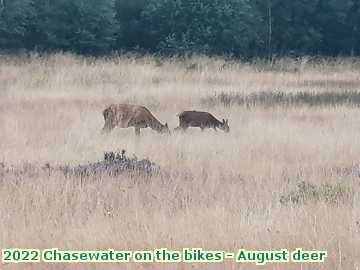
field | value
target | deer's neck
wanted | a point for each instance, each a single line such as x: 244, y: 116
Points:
x: 219, y: 123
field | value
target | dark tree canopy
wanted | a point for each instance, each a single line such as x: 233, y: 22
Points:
x: 240, y: 28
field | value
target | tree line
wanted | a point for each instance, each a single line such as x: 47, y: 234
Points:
x: 238, y: 28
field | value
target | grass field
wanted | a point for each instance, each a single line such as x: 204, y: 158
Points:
x: 286, y: 176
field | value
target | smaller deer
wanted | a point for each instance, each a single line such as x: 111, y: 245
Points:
x: 126, y: 115
x: 202, y: 120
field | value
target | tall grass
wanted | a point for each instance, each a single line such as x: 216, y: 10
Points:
x: 284, y: 177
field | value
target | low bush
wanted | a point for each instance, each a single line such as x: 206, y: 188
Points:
x: 328, y: 193
x: 271, y: 99
x: 113, y: 164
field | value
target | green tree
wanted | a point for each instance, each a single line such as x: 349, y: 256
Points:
x: 131, y: 31
x: 330, y: 18
x: 15, y: 16
x: 289, y: 26
x: 83, y: 26
x: 201, y: 26
x: 353, y: 25
x: 242, y: 28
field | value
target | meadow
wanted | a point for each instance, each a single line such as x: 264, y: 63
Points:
x: 285, y: 176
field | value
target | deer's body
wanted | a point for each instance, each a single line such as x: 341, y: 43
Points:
x: 202, y: 120
x: 126, y: 115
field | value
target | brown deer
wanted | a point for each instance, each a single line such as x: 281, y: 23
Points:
x: 126, y: 115
x: 202, y: 120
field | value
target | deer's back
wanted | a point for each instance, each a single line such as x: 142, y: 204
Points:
x: 197, y: 118
x: 127, y: 114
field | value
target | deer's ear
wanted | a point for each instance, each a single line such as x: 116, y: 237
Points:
x: 227, y: 121
x: 166, y: 125
x: 223, y: 121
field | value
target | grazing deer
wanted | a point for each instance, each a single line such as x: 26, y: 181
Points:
x: 126, y: 115
x: 201, y: 120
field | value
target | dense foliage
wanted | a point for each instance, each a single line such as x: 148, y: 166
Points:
x: 241, y: 28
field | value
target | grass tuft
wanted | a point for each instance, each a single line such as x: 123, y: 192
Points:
x: 310, y: 193
x: 272, y: 99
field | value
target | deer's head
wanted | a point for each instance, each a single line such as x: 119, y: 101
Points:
x: 225, y: 125
x: 164, y: 129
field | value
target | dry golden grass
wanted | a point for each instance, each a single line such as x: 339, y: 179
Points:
x: 224, y: 190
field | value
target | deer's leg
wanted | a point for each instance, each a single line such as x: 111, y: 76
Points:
x: 183, y: 129
x: 214, y: 127
x: 182, y: 126
x: 107, y: 128
x: 137, y: 131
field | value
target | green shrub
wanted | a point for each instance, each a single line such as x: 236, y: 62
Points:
x: 327, y: 193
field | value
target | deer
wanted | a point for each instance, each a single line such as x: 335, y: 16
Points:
x: 127, y: 115
x: 202, y: 120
